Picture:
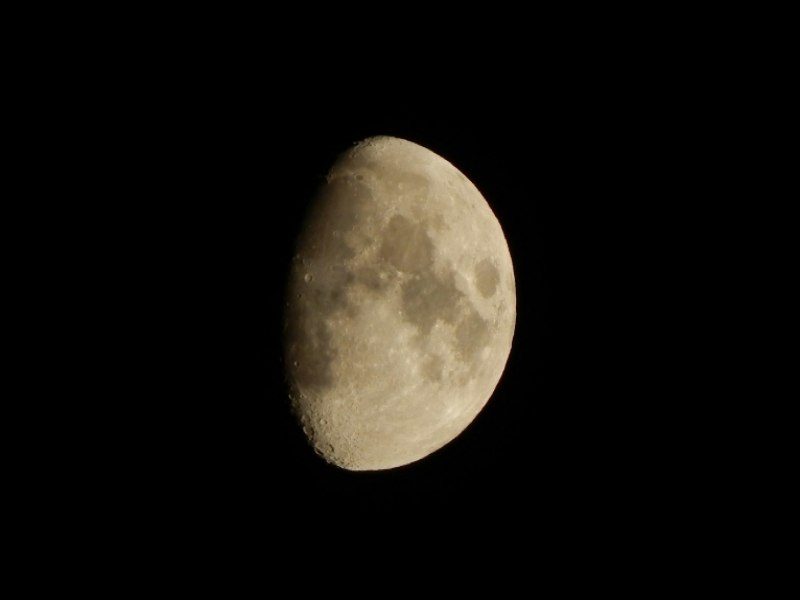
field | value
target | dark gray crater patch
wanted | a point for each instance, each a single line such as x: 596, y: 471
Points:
x: 472, y: 335
x: 428, y: 298
x: 372, y: 277
x: 486, y: 278
x: 406, y: 245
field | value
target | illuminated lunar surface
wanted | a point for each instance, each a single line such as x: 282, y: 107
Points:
x: 400, y: 309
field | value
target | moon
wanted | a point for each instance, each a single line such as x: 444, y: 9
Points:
x: 401, y: 305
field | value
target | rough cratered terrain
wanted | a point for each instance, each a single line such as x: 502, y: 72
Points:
x: 401, y: 307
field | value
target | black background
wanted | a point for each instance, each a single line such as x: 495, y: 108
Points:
x: 581, y: 429
x: 194, y: 153
x: 573, y: 417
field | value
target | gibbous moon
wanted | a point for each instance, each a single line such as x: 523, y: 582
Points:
x: 400, y: 309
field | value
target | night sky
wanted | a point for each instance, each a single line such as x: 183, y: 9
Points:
x: 551, y: 423
x: 574, y: 425
x: 598, y: 158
